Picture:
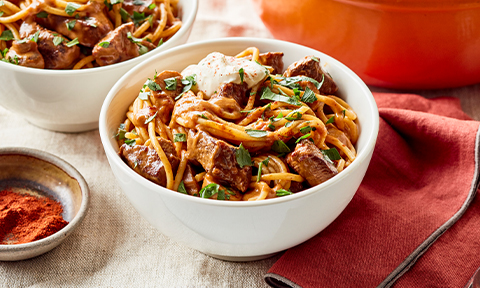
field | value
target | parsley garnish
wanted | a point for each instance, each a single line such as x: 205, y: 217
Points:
x: 242, y: 73
x: 138, y: 17
x: 170, y: 83
x: 152, y: 6
x: 71, y: 24
x: 34, y: 38
x: 181, y: 188
x: 315, y: 59
x: 269, y: 95
x: 72, y: 7
x: 73, y: 42
x: 42, y: 14
x: 248, y: 111
x: 256, y: 133
x: 280, y: 147
x: 189, y: 81
x: 292, y: 82
x: 179, y: 137
x: 306, y: 129
x: 57, y: 40
x: 104, y: 44
x: 259, y: 174
x: 7, y: 35
x: 343, y: 113
x: 152, y: 85
x: 142, y: 49
x: 283, y: 192
x: 209, y: 190
x: 138, y: 2
x: 133, y: 39
x: 309, y: 96
x: 296, y: 116
x: 265, y: 162
x: 151, y: 118
x: 243, y: 157
x: 130, y: 142
x: 121, y: 132
x: 303, y: 137
x: 331, y: 120
x: 221, y: 195
x: 124, y: 14
x: 271, y: 127
x: 331, y: 154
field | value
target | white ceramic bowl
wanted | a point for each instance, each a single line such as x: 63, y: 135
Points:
x: 44, y: 173
x: 67, y: 100
x: 239, y: 231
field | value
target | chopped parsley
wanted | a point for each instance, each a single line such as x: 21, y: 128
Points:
x: 315, y: 59
x: 42, y: 14
x: 72, y: 7
x: 130, y: 142
x: 181, y: 188
x: 7, y: 35
x: 259, y: 174
x: 133, y: 39
x: 203, y: 116
x: 331, y: 120
x: 171, y: 83
x: 179, y: 137
x: 267, y: 94
x: 309, y: 96
x: 104, y: 44
x: 242, y: 74
x: 243, y: 157
x: 138, y: 2
x: 221, y: 195
x: 331, y: 154
x: 152, y: 6
x: 209, y: 190
x: 57, y: 40
x: 296, y: 116
x: 71, y: 24
x: 121, y: 132
x: 152, y: 85
x: 303, y: 137
x: 138, y: 17
x: 265, y: 162
x: 256, y: 133
x: 188, y: 82
x: 280, y: 147
x: 306, y: 129
x: 73, y: 42
x: 283, y: 192
x: 142, y: 49
x: 151, y: 118
x: 124, y: 14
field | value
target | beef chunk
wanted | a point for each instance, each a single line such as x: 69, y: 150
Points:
x: 310, y: 67
x: 308, y: 161
x: 26, y: 54
x: 139, y: 6
x: 89, y: 30
x: 146, y: 162
x: 233, y: 91
x: 119, y: 49
x: 55, y: 56
x: 218, y: 158
x: 274, y: 60
x: 191, y: 185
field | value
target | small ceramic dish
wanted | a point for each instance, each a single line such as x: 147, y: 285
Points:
x: 38, y: 172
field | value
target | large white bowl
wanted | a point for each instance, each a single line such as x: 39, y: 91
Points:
x: 239, y: 231
x: 68, y: 100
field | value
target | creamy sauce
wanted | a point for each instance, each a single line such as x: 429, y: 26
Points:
x: 216, y: 69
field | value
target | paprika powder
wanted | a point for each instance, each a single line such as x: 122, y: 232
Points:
x: 25, y: 218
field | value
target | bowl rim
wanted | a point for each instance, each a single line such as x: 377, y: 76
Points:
x: 110, y: 151
x: 70, y: 171
x: 186, y: 25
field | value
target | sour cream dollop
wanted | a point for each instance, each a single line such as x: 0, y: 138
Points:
x: 216, y: 69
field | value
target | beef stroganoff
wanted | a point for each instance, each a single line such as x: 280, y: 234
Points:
x: 239, y: 127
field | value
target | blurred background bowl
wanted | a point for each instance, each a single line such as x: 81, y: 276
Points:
x: 41, y: 173
x: 407, y: 44
x: 239, y: 231
x: 70, y: 100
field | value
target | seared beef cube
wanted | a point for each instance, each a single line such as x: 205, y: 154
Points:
x: 233, y: 91
x: 191, y: 185
x: 274, y: 60
x: 164, y: 99
x: 310, y: 67
x: 55, y: 56
x: 296, y: 187
x: 218, y: 158
x: 119, y: 47
x: 146, y: 162
x: 25, y: 54
x: 139, y: 6
x: 89, y: 29
x: 308, y: 161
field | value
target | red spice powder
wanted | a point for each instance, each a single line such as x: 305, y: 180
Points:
x: 25, y: 218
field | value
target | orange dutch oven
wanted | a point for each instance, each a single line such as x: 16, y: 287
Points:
x: 407, y: 44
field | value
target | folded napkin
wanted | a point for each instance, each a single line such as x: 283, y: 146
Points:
x: 414, y: 221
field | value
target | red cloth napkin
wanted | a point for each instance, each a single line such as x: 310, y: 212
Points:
x: 401, y: 227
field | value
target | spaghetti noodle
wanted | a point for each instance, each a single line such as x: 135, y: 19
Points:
x: 92, y: 26
x: 236, y: 131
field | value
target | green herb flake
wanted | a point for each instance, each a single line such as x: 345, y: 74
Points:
x: 280, y: 147
x: 209, y: 190
x: 72, y: 43
x: 188, y: 82
x: 256, y: 133
x: 138, y: 3
x: 138, y: 17
x: 104, y: 44
x: 181, y: 188
x: 7, y: 35
x: 152, y: 85
x: 296, y: 116
x: 271, y: 127
x: 243, y: 157
x: 283, y: 192
x: 242, y: 74
x: 248, y: 111
x: 303, y: 137
x: 35, y: 36
x: 142, y: 49
x: 152, y: 6
x: 343, y: 112
x: 130, y: 142
x: 203, y: 116
x: 151, y: 118
x: 171, y: 83
x: 306, y: 129
x: 42, y: 14
x: 331, y: 154
x: 259, y: 174
x: 315, y: 59
x: 265, y: 162
x: 267, y: 94
x: 71, y: 24
x: 330, y: 121
x: 133, y: 39
x: 57, y: 40
x: 121, y: 132
x: 288, y: 124
x: 72, y: 7
x: 221, y: 195
x: 124, y: 14
x: 308, y: 96
x: 179, y: 137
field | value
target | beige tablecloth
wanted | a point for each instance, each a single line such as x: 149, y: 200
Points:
x: 114, y: 246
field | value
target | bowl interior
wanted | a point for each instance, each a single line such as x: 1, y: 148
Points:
x: 37, y: 173
x: 352, y: 90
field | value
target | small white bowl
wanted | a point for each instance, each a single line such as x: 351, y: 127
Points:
x: 239, y: 231
x: 44, y: 173
x: 68, y: 100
